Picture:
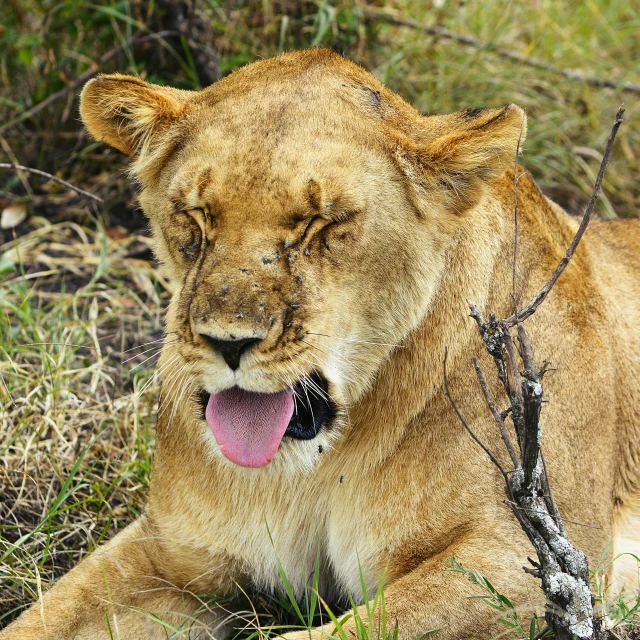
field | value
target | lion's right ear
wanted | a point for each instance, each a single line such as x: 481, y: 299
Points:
x: 465, y: 151
x: 126, y: 112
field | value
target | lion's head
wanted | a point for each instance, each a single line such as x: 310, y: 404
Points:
x: 303, y: 212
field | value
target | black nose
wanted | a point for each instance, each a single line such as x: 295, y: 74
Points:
x: 230, y: 350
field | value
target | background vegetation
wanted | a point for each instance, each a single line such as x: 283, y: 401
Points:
x: 80, y: 296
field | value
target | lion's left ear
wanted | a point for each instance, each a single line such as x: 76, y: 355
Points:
x: 127, y: 113
x: 470, y: 149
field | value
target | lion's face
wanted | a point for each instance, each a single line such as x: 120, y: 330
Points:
x: 298, y: 261
x: 303, y: 218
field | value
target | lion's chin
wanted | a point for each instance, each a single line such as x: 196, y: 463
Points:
x: 249, y: 426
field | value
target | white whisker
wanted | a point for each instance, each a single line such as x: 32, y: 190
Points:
x: 303, y: 381
x: 153, y: 355
x: 173, y: 380
x: 148, y: 343
x: 158, y: 372
x: 185, y: 388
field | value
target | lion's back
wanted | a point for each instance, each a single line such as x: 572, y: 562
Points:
x: 616, y: 245
x: 616, y: 248
x: 620, y: 240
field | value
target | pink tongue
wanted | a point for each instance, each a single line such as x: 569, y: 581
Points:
x: 249, y: 426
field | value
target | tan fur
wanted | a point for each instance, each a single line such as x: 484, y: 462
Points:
x: 420, y: 220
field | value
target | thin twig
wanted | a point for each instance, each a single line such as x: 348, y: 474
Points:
x: 496, y: 415
x: 464, y: 422
x: 19, y: 167
x: 515, y: 215
x: 542, y: 294
x: 572, y: 74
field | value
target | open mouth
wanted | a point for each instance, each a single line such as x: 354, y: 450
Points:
x: 249, y: 426
x: 313, y: 408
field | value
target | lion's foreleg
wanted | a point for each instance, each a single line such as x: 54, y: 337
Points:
x: 116, y: 592
x: 433, y: 599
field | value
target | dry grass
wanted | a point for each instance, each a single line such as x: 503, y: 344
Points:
x: 78, y: 398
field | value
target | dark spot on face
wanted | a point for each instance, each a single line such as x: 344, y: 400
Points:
x: 191, y: 250
x: 244, y: 270
x: 617, y: 501
x: 489, y: 123
x: 374, y: 97
x: 320, y: 449
x: 326, y: 245
x: 471, y: 114
x: 294, y: 306
x: 341, y: 479
x: 275, y: 255
x: 299, y: 279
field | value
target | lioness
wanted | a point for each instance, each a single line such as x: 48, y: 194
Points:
x: 323, y: 238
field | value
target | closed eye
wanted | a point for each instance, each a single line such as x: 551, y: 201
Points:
x: 321, y: 223
x: 310, y: 227
x: 344, y: 215
x: 315, y: 224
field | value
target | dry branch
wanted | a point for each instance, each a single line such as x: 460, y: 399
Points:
x: 524, y: 313
x: 441, y: 32
x: 515, y: 214
x: 19, y: 167
x: 497, y: 416
x: 562, y: 568
x: 464, y: 422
